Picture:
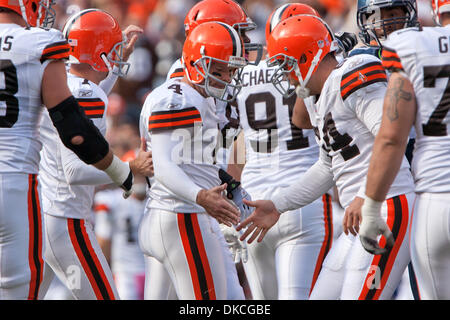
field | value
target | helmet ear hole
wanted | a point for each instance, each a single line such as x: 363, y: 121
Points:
x: 34, y: 6
x: 302, y: 59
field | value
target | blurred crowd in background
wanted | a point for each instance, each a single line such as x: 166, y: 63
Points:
x: 162, y: 41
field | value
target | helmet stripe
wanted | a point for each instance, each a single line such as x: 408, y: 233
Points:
x: 276, y: 17
x: 73, y: 19
x: 235, y: 38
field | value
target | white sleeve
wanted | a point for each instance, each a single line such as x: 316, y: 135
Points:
x: 315, y: 182
x: 79, y: 173
x: 369, y: 105
x: 108, y: 83
x: 167, y: 170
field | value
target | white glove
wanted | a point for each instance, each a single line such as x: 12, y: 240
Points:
x: 238, y: 195
x: 372, y: 226
x: 237, y: 247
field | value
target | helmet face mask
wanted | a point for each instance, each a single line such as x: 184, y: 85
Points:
x: 215, y: 86
x: 46, y: 14
x: 115, y: 58
x: 297, y: 45
x: 242, y: 28
x: 280, y: 78
x: 375, y: 26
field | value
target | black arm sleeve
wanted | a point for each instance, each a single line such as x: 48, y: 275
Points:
x: 70, y: 121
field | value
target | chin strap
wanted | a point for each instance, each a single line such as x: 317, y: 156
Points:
x: 105, y: 60
x: 301, y: 90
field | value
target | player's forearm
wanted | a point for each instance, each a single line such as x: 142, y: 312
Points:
x: 399, y: 109
x: 79, y: 173
x: 236, y: 162
x: 168, y: 172
x: 387, y: 156
x: 316, y: 181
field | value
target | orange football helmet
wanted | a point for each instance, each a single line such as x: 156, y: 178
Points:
x: 297, y: 45
x: 36, y: 13
x: 226, y: 11
x: 96, y: 39
x: 439, y: 6
x: 214, y: 42
x: 285, y: 11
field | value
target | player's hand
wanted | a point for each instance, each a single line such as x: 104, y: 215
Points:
x: 352, y: 217
x: 346, y: 41
x: 143, y: 164
x: 237, y: 247
x: 260, y: 221
x: 131, y: 34
x: 372, y: 226
x: 217, y: 206
x: 236, y: 193
x: 239, y: 195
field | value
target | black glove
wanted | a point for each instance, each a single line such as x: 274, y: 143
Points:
x: 346, y: 41
x: 232, y: 184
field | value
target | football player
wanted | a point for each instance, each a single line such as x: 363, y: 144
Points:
x: 181, y: 225
x: 376, y: 20
x: 229, y: 12
x: 417, y: 94
x: 348, y: 116
x: 72, y: 251
x: 32, y: 74
x: 287, y: 262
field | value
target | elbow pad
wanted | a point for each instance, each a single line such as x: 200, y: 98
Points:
x: 70, y: 121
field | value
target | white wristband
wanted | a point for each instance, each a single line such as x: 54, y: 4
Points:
x: 118, y: 171
x: 373, y: 207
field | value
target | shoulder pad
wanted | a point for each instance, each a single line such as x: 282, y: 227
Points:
x: 52, y: 45
x: 171, y: 109
x: 359, y: 72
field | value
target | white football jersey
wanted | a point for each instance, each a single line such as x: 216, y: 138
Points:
x: 24, y: 54
x: 277, y: 152
x: 118, y: 219
x: 424, y: 55
x: 59, y: 198
x: 193, y: 120
x: 348, y: 116
x: 228, y: 119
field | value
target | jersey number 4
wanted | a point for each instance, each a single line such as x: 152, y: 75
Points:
x: 9, y: 85
x: 434, y: 127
